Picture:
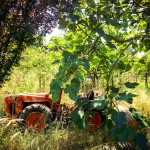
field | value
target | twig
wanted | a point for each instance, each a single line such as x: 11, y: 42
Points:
x: 115, y: 63
x: 85, y: 32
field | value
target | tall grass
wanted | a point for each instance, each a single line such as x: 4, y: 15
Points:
x: 142, y: 101
x: 142, y: 104
x: 11, y: 137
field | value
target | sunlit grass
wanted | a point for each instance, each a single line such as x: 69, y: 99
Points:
x: 142, y: 101
x: 11, y: 138
x: 142, y: 104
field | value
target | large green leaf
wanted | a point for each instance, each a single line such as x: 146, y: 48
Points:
x: 141, y: 140
x: 82, y: 102
x: 73, y: 89
x: 114, y: 91
x: 119, y: 118
x: 99, y: 102
x: 131, y: 84
x: 142, y: 61
x: 124, y: 132
x: 79, y: 75
x: 82, y: 124
x: 127, y: 96
x: 120, y: 65
x: 86, y: 64
x: 107, y: 38
x: 111, y: 45
x: 77, y: 116
x: 114, y: 131
x: 67, y: 54
x: 74, y: 17
x: 138, y: 117
x: 72, y: 27
x: 100, y: 31
x: 127, y: 132
x: 128, y: 67
x: 55, y: 88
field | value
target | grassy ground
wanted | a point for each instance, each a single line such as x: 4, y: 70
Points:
x: 11, y: 138
x: 53, y: 139
x: 142, y: 102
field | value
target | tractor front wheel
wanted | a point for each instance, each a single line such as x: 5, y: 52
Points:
x: 35, y: 117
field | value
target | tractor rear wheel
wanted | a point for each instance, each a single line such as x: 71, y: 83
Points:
x: 95, y: 121
x: 35, y: 117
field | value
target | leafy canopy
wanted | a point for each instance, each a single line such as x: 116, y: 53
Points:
x: 100, y: 37
x: 23, y: 23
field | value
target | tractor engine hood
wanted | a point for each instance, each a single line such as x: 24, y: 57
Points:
x: 10, y: 98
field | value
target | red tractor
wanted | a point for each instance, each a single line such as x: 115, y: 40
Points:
x: 36, y: 111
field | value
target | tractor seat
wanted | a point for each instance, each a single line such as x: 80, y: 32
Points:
x: 91, y: 95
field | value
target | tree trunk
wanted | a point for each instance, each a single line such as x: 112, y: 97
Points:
x: 40, y: 83
x: 146, y: 80
x: 112, y: 81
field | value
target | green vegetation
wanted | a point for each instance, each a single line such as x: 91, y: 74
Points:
x: 104, y: 45
x: 100, y: 50
x: 12, y: 138
x: 56, y: 138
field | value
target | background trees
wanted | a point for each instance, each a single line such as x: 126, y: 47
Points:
x: 22, y: 23
x: 34, y: 72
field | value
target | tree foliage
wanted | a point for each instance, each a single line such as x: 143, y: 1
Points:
x: 102, y: 35
x: 34, y: 73
x: 105, y: 38
x: 22, y: 23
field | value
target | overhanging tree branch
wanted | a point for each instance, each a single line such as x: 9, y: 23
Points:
x: 128, y: 40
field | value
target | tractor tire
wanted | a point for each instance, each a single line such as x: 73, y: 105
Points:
x: 96, y: 121
x: 35, y: 117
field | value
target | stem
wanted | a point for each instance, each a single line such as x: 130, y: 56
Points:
x: 90, y: 52
x: 112, y: 68
x: 85, y: 32
x: 117, y: 60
